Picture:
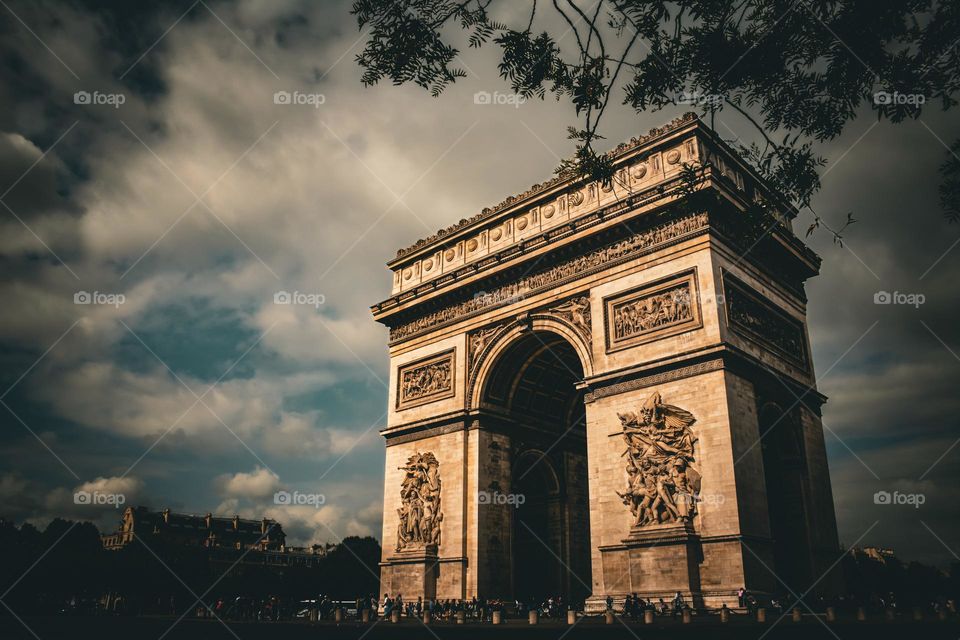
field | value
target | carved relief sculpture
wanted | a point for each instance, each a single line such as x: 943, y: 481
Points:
x: 662, y: 484
x: 419, y: 513
x: 478, y: 341
x: 426, y: 380
x: 652, y: 312
x: 757, y: 319
x: 577, y: 312
x: 646, y: 313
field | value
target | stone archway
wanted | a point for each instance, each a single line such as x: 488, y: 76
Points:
x: 530, y: 396
x: 658, y: 323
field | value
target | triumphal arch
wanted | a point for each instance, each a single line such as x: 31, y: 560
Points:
x: 606, y: 388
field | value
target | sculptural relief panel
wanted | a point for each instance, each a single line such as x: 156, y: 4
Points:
x: 653, y: 311
x: 750, y: 315
x: 426, y: 380
x: 663, y: 483
x: 420, y: 514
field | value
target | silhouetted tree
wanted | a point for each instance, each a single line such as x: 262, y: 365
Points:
x: 797, y: 72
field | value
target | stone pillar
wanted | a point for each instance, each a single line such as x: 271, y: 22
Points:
x: 648, y: 616
x: 571, y: 617
x: 795, y: 614
x: 761, y: 615
x: 533, y: 617
x: 497, y: 617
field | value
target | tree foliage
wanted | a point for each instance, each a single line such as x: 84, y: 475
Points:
x: 798, y: 71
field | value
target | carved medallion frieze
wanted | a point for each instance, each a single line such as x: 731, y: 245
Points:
x: 426, y: 380
x: 652, y: 311
x: 420, y: 515
x: 663, y: 485
x: 750, y: 315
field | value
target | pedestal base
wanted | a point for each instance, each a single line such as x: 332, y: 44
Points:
x: 653, y: 562
x: 411, y: 573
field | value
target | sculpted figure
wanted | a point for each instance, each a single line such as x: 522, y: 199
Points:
x: 662, y: 484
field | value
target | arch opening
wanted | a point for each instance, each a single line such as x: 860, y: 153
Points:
x: 531, y: 393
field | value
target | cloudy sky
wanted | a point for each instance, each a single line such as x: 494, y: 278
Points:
x: 143, y: 159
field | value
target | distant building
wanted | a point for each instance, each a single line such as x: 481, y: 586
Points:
x: 880, y: 554
x: 208, y: 531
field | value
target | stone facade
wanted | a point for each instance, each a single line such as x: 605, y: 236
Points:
x: 618, y: 394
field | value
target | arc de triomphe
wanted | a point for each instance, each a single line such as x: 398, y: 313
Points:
x: 607, y: 389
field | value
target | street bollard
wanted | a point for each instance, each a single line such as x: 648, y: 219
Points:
x: 648, y: 616
x: 724, y: 613
x: 497, y: 617
x: 890, y: 614
x: 917, y: 613
x: 861, y: 614
x: 942, y: 614
x: 338, y: 615
x: 831, y: 614
x: 795, y: 614
x: 314, y: 615
x: 426, y: 616
x: 365, y: 615
x: 608, y: 616
x: 395, y: 616
x: 761, y: 615
x: 461, y: 616
x: 571, y: 617
x: 686, y: 616
x: 533, y: 617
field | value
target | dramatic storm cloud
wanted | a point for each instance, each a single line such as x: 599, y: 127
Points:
x: 167, y: 172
